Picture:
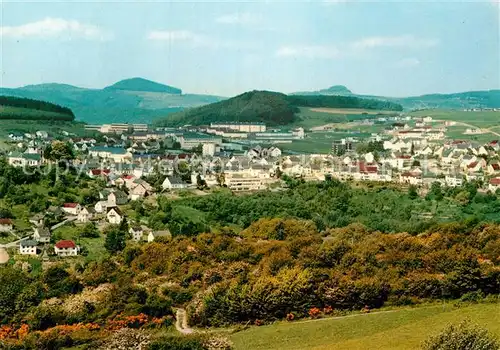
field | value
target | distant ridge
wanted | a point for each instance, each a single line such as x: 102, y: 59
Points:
x: 459, y: 100
x: 140, y: 84
x: 134, y: 100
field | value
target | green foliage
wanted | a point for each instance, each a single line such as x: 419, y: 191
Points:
x: 115, y: 239
x: 271, y: 108
x: 178, y: 343
x: 462, y: 336
x: 60, y: 282
x: 89, y: 231
x: 12, y: 284
x: 24, y: 107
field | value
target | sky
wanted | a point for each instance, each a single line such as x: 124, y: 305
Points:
x: 389, y: 48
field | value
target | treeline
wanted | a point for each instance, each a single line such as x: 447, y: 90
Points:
x: 342, y: 102
x: 44, y: 110
x: 268, y: 107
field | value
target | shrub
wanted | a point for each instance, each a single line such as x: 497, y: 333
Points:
x: 462, y: 336
x: 178, y: 343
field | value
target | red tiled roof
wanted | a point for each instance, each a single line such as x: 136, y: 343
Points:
x: 472, y: 165
x: 5, y: 222
x: 70, y: 205
x: 495, y: 181
x: 495, y: 166
x: 65, y: 244
x: 128, y: 177
x: 97, y: 172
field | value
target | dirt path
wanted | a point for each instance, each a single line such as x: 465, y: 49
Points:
x: 181, y: 323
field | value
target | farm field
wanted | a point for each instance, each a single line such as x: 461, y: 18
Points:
x: 319, y: 142
x: 314, y: 117
x: 31, y: 126
x: 483, y: 119
x: 350, y: 111
x: 396, y: 329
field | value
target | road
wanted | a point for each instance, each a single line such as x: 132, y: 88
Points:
x: 486, y: 130
x: 181, y: 322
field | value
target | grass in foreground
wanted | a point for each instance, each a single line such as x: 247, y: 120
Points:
x: 397, y: 329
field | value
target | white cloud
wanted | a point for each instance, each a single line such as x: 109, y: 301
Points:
x: 172, y: 35
x: 393, y: 41
x: 314, y: 51
x: 239, y: 18
x: 55, y: 27
x: 195, y: 39
x: 408, y: 62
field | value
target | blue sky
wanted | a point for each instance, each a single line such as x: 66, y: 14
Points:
x: 386, y: 48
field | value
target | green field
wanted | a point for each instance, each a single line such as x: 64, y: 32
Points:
x: 486, y: 119
x: 398, y: 329
x: 319, y: 141
x: 31, y: 126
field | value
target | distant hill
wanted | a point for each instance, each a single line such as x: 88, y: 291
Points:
x: 140, y: 84
x: 28, y: 109
x: 461, y: 100
x: 272, y: 108
x: 116, y: 103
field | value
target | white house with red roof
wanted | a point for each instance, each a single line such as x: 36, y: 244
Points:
x: 66, y: 248
x: 6, y: 225
x: 71, y: 208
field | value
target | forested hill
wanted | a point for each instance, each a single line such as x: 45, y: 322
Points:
x: 272, y: 108
x: 28, y: 109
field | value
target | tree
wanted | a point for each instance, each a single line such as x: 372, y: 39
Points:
x: 462, y: 336
x: 115, y: 239
x: 89, y: 231
x: 412, y: 192
x: 200, y: 183
x: 58, y: 151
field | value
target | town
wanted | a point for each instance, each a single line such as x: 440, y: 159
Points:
x: 243, y: 157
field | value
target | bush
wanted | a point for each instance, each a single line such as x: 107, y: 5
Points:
x: 178, y: 343
x: 462, y: 336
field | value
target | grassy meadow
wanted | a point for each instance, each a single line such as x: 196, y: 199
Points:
x: 482, y: 119
x: 394, y: 329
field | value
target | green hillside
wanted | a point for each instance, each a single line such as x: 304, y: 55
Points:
x: 140, y: 84
x: 115, y: 103
x: 29, y: 109
x: 461, y: 100
x: 272, y: 108
x: 397, y: 329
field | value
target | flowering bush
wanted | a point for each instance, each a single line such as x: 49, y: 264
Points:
x: 314, y: 312
x: 218, y: 343
x: 258, y: 322
x: 290, y: 316
x: 327, y: 310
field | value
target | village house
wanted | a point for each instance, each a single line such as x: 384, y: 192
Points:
x: 136, y: 232
x: 41, y: 234
x: 6, y: 225
x: 71, y: 208
x: 66, y: 248
x: 102, y: 206
x: 86, y: 214
x: 114, y: 216
x: 494, y: 184
x: 138, y: 192
x: 28, y: 247
x: 117, y: 197
x: 156, y: 234
x: 174, y: 183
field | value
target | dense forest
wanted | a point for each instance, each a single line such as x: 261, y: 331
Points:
x: 271, y: 108
x: 28, y: 109
x: 342, y: 102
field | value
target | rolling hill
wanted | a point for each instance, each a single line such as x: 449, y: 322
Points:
x: 461, y: 100
x: 132, y: 100
x: 140, y: 84
x: 272, y: 108
x: 28, y: 109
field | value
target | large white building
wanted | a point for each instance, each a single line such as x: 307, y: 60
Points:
x: 240, y: 126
